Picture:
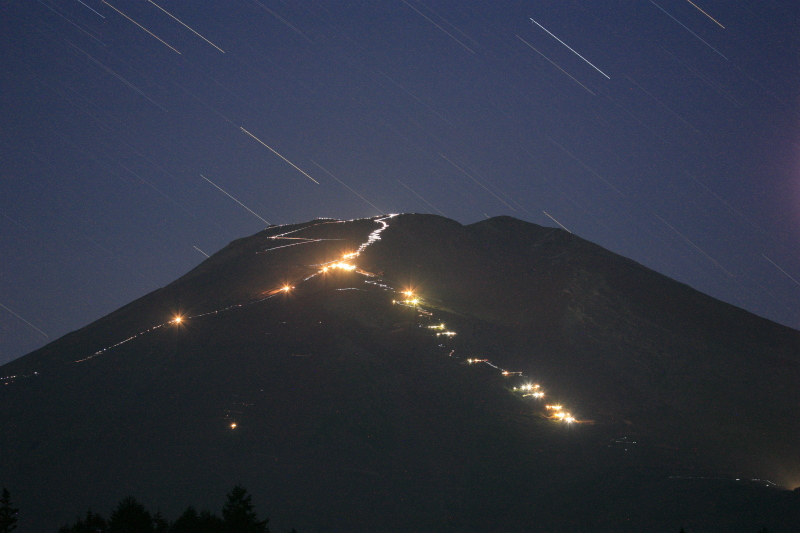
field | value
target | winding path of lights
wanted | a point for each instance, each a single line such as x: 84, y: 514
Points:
x: 346, y: 264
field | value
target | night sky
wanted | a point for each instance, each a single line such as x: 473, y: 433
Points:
x: 665, y: 131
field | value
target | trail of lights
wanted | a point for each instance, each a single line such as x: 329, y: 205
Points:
x: 345, y: 264
x: 309, y: 241
x: 371, y: 238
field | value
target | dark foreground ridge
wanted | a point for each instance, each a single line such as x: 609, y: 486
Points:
x: 408, y: 373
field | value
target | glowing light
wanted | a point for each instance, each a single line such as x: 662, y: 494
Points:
x: 287, y: 288
x: 569, y: 419
x: 233, y: 425
x: 341, y: 266
x: 408, y: 293
x: 555, y: 407
x: 177, y: 319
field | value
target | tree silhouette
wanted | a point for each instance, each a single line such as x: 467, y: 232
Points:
x: 239, y: 515
x: 130, y: 516
x: 8, y: 514
x: 160, y: 524
x: 93, y: 523
x: 192, y: 522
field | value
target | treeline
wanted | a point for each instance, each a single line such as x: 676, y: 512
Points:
x: 130, y: 516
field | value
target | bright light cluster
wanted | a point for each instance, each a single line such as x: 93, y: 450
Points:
x: 411, y: 299
x: 340, y: 265
x: 560, y: 414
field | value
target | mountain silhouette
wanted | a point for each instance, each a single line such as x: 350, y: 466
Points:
x: 379, y: 375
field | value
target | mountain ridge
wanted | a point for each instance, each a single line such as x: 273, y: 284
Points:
x: 341, y: 374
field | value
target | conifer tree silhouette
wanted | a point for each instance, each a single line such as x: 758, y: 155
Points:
x: 130, y: 516
x: 239, y: 515
x: 8, y: 514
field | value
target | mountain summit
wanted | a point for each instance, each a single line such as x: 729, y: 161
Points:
x: 409, y: 373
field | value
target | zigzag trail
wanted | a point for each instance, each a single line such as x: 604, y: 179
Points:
x: 526, y: 389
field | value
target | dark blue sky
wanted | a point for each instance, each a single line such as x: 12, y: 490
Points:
x: 666, y: 134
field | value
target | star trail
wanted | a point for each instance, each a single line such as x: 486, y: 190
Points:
x: 664, y: 131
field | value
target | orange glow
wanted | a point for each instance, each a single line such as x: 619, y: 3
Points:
x: 233, y: 425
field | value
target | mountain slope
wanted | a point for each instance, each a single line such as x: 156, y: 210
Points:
x: 352, y: 414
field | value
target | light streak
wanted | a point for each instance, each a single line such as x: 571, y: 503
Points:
x: 184, y: 25
x: 665, y: 106
x: 555, y: 65
x: 293, y: 244
x: 478, y: 182
x: 142, y: 27
x: 31, y: 325
x: 71, y: 22
x: 279, y: 155
x: 570, y: 49
x: 415, y: 98
x: 584, y: 165
x: 420, y: 197
x: 695, y: 246
x: 706, y: 14
x: 119, y: 77
x: 556, y: 221
x: 283, y: 235
x: 779, y: 268
x: 286, y: 22
x: 235, y: 200
x: 444, y: 30
x: 201, y: 251
x: 90, y: 9
x: 690, y: 31
x: 347, y: 186
x: 375, y: 235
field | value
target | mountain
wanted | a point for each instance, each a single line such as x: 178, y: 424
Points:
x: 292, y: 362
